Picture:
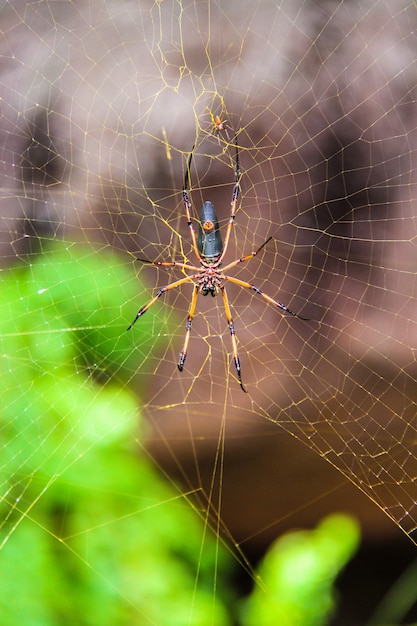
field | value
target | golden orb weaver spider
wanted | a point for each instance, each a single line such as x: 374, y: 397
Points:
x: 210, y: 252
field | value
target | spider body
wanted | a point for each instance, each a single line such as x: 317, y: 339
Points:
x: 210, y: 281
x: 208, y: 278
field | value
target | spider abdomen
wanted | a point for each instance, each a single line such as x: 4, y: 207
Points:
x: 209, y: 240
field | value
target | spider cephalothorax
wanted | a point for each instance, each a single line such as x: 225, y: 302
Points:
x: 210, y: 281
x: 210, y: 251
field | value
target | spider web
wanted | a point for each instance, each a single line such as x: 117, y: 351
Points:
x: 102, y: 103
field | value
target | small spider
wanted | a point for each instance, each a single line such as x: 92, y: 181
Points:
x: 220, y: 125
x: 208, y: 278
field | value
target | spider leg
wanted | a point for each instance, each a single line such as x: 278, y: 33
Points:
x: 170, y: 264
x: 247, y: 257
x: 188, y: 205
x: 233, y: 336
x: 276, y: 303
x: 159, y: 293
x: 183, y: 353
x: 233, y: 204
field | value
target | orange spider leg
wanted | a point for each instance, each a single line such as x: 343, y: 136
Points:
x: 248, y: 257
x: 276, y: 303
x: 235, y: 197
x: 191, y: 312
x: 159, y: 293
x: 185, y: 266
x: 233, y: 336
x: 188, y: 206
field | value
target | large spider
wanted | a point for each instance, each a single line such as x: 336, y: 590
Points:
x: 210, y: 252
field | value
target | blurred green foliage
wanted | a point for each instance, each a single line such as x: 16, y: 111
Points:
x: 298, y: 574
x: 90, y: 532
